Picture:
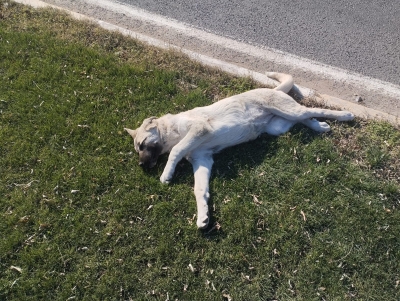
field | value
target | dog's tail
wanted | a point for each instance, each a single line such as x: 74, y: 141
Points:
x: 286, y: 81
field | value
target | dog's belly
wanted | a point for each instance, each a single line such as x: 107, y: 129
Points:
x: 235, y: 126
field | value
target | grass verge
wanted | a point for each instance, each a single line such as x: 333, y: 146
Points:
x: 299, y: 217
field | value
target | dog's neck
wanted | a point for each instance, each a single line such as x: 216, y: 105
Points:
x: 170, y: 132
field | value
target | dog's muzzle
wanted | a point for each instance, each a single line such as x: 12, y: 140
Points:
x: 147, y: 164
x: 149, y: 154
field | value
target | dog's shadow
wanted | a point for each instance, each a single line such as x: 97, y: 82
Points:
x: 230, y: 161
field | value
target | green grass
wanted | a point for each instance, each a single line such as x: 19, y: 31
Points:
x: 299, y: 217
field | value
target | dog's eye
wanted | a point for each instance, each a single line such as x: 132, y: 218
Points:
x: 141, y: 146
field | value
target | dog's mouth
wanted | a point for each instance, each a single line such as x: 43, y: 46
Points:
x: 147, y: 164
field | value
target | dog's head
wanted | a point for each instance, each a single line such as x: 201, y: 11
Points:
x: 147, y: 142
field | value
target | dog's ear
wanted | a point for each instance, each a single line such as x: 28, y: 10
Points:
x: 131, y: 132
x: 150, y: 123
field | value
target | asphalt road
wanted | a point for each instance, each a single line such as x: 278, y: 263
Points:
x: 339, y: 49
x: 362, y: 36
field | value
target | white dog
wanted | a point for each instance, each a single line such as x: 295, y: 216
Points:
x: 199, y: 133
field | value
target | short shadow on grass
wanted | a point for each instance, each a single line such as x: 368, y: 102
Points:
x: 229, y: 162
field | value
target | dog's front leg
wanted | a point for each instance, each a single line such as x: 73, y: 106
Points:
x: 202, y: 164
x: 176, y: 155
x: 191, y: 141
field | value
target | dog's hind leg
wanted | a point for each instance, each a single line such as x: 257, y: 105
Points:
x: 299, y: 113
x: 316, y: 125
x: 284, y: 106
x: 278, y: 126
x: 202, y: 163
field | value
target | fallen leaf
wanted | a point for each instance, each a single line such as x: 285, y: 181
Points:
x: 227, y: 297
x: 216, y: 226
x: 303, y: 214
x: 256, y: 201
x: 191, y: 268
x: 225, y: 201
x: 24, y: 219
x: 44, y: 226
x: 18, y: 269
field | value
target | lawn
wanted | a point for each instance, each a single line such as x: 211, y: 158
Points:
x: 303, y: 216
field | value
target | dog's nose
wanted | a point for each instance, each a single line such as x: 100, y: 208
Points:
x: 144, y: 164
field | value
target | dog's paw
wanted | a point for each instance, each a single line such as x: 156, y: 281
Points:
x: 202, y: 222
x: 164, y: 179
x: 346, y: 116
x: 203, y: 217
x: 324, y: 127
